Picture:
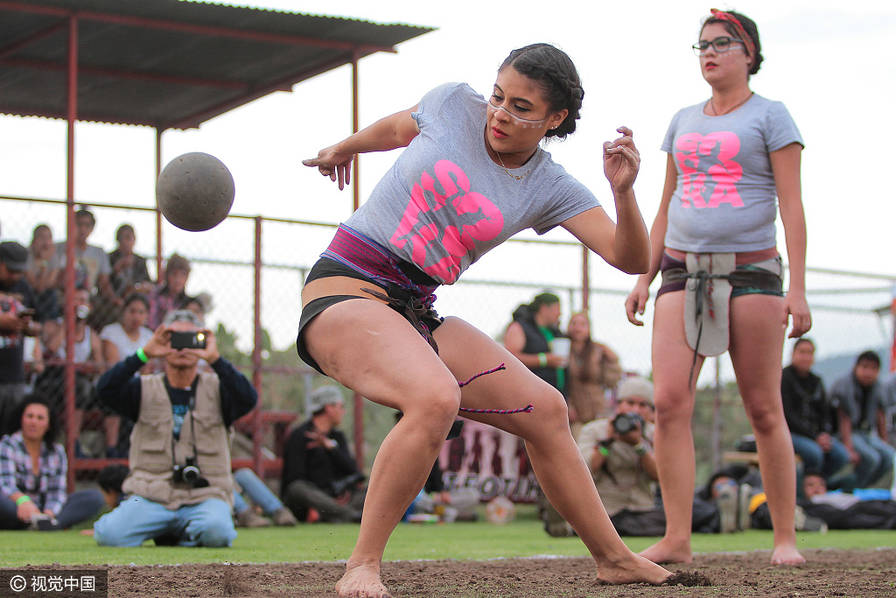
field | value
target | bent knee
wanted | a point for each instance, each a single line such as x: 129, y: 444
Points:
x: 217, y: 535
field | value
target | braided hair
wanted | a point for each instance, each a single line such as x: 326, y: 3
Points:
x: 558, y: 77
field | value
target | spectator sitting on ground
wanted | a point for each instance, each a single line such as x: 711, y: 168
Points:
x: 618, y: 451
x: 809, y: 414
x: 874, y: 509
x: 89, y: 357
x: 180, y: 486
x: 258, y: 492
x: 171, y: 293
x: 319, y: 472
x: 92, y: 268
x: 40, y: 274
x: 33, y: 475
x: 859, y: 398
x: 16, y: 322
x: 742, y: 503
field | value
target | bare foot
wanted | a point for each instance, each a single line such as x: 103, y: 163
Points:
x: 634, y: 569
x: 668, y: 551
x: 787, y: 555
x: 362, y: 581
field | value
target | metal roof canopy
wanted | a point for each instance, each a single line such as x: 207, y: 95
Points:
x: 168, y: 63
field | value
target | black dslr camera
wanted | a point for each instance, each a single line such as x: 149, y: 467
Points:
x: 189, y: 474
x: 626, y: 422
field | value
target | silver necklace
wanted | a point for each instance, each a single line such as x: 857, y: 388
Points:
x: 518, y: 177
x: 732, y: 109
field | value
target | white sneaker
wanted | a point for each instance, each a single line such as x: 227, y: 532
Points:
x: 727, y: 503
x: 744, y: 494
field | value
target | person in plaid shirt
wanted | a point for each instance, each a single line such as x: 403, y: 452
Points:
x: 33, y: 470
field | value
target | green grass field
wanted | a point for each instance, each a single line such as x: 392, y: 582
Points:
x: 323, y: 542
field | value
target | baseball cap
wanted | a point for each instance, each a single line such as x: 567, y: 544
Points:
x: 635, y: 386
x: 14, y: 255
x: 323, y: 396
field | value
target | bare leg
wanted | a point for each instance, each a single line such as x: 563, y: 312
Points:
x: 370, y: 348
x: 561, y: 471
x: 757, y: 339
x: 673, y: 440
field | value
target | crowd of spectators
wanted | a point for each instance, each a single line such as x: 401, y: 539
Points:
x: 117, y: 306
x: 842, y: 434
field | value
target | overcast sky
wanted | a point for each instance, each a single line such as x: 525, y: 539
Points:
x: 831, y: 63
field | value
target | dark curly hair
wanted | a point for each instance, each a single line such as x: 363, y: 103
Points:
x: 749, y: 27
x: 52, y: 433
x: 558, y: 77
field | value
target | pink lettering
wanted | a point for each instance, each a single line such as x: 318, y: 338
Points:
x: 724, y: 174
x: 457, y: 241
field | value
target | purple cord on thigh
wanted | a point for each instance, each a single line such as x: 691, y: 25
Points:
x: 527, y: 409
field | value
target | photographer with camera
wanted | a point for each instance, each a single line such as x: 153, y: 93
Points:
x: 619, y: 453
x: 180, y: 486
x: 319, y: 472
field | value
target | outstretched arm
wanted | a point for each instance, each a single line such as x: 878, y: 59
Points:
x: 624, y: 245
x: 385, y: 134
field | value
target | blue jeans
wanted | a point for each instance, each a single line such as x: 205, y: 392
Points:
x: 78, y: 507
x: 257, y: 491
x: 137, y: 519
x: 876, y: 458
x: 815, y: 459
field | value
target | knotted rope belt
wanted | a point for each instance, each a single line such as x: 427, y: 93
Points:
x: 759, y: 279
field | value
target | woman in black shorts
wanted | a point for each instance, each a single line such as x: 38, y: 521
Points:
x: 473, y: 174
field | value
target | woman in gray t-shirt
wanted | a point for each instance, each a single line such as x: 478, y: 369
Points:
x: 473, y: 174
x: 730, y: 158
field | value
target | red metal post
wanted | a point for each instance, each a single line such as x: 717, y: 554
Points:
x: 158, y: 212
x: 71, y: 431
x: 586, y: 282
x: 257, y: 464
x: 357, y: 400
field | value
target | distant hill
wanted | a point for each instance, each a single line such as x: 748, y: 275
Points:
x: 831, y: 368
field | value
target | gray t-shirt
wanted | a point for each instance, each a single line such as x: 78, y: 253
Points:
x: 725, y: 198
x: 89, y: 264
x: 444, y: 202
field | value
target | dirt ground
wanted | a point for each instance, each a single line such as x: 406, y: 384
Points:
x: 852, y: 573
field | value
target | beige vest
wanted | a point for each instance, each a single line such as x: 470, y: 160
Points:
x: 150, y: 456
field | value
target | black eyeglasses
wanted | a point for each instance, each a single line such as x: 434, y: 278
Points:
x: 720, y: 44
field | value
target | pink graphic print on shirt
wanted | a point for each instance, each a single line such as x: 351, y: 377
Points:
x: 477, y: 219
x: 721, y: 146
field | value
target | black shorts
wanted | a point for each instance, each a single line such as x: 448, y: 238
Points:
x: 324, y: 268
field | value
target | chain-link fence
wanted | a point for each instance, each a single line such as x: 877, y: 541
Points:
x: 250, y: 272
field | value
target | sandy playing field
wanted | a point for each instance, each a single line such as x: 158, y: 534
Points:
x: 851, y: 573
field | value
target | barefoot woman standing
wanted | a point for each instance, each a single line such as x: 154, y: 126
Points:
x: 714, y: 235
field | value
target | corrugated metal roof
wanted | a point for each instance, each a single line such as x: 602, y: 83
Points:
x: 169, y: 63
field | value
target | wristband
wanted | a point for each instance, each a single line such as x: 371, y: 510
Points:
x: 640, y: 449
x: 141, y: 355
x: 23, y: 499
x: 543, y: 359
x: 603, y: 450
